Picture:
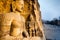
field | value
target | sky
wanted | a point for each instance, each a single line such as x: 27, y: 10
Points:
x: 50, y: 9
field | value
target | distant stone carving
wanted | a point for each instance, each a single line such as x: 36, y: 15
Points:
x: 20, y: 20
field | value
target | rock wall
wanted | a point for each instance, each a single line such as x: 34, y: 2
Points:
x: 35, y: 27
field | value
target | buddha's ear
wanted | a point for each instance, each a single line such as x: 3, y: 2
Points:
x: 13, y: 6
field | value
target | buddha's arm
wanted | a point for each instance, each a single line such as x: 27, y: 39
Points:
x: 15, y: 28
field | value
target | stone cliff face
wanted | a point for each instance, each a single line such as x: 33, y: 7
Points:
x: 34, y: 19
x: 30, y: 10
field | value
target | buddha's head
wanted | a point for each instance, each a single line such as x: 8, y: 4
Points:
x: 21, y: 6
x: 18, y: 5
x: 24, y: 7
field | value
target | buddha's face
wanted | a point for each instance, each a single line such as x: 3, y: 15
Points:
x: 19, y: 5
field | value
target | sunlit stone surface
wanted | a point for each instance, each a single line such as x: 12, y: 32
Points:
x: 20, y: 20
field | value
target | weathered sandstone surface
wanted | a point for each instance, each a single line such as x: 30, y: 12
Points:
x: 20, y: 20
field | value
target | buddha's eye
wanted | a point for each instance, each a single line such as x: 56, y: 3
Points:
x: 14, y: 0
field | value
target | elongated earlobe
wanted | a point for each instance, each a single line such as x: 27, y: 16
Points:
x: 13, y: 6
